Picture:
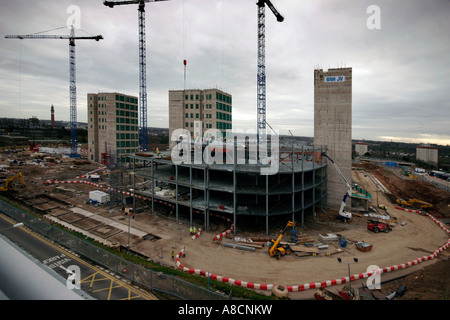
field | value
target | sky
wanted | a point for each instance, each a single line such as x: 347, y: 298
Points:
x: 398, y: 51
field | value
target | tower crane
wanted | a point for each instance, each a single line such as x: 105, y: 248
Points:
x: 261, y: 78
x: 143, y: 138
x: 73, y: 81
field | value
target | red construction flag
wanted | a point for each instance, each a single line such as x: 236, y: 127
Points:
x: 185, y: 62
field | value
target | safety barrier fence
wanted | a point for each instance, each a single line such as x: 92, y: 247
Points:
x: 315, y: 285
x: 147, y: 278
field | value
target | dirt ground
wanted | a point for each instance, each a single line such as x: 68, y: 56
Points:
x: 413, y: 236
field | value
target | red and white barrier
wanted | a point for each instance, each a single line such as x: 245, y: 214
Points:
x: 195, y: 236
x: 408, y: 210
x: 229, y: 231
x: 220, y: 278
x: 292, y: 288
x: 314, y: 285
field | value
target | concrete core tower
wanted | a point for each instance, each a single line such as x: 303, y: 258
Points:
x: 333, y: 127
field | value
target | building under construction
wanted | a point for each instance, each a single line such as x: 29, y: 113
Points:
x: 236, y: 189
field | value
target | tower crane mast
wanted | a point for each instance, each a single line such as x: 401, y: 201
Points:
x: 261, y: 78
x: 143, y: 137
x: 72, y: 68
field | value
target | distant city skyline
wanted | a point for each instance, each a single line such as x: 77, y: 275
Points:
x: 400, y: 84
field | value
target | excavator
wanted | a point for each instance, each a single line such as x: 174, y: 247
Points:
x: 277, y: 250
x: 412, y: 202
x: 8, y: 183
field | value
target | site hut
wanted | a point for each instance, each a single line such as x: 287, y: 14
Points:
x: 238, y: 191
x: 113, y: 126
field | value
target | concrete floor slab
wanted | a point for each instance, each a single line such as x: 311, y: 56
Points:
x: 105, y: 231
x: 88, y: 223
x: 71, y: 217
x: 56, y: 212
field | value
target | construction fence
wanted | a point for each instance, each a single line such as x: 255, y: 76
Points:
x: 147, y: 278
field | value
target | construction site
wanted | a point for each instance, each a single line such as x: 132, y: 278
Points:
x: 286, y: 222
x: 62, y: 190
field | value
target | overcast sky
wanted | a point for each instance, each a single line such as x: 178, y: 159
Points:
x: 401, y: 83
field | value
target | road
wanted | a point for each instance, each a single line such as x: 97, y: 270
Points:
x: 97, y: 282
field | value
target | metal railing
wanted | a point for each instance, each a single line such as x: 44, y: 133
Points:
x: 147, y: 278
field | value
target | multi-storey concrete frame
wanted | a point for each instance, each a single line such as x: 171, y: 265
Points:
x: 237, y: 190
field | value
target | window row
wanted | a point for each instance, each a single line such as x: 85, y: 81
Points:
x: 223, y: 125
x: 223, y: 116
x: 127, y: 120
x: 219, y: 106
x: 126, y: 106
x: 126, y: 114
x: 204, y: 125
x: 223, y: 107
x: 223, y: 97
x: 127, y: 144
x: 126, y: 128
x: 126, y: 99
x: 127, y: 136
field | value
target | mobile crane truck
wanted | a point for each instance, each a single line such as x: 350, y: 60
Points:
x: 343, y: 215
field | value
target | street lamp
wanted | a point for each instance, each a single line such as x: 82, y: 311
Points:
x: 348, y: 265
x: 17, y: 225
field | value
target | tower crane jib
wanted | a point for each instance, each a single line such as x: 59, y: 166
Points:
x: 72, y: 79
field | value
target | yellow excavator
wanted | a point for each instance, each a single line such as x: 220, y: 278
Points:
x: 8, y: 183
x: 414, y: 202
x: 277, y: 250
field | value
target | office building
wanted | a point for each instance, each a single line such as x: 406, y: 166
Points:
x: 190, y: 109
x: 113, y: 126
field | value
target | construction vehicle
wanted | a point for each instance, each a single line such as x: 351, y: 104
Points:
x: 275, y: 248
x: 34, y: 147
x: 8, y: 186
x: 343, y: 215
x: 377, y: 226
x: 413, y: 202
